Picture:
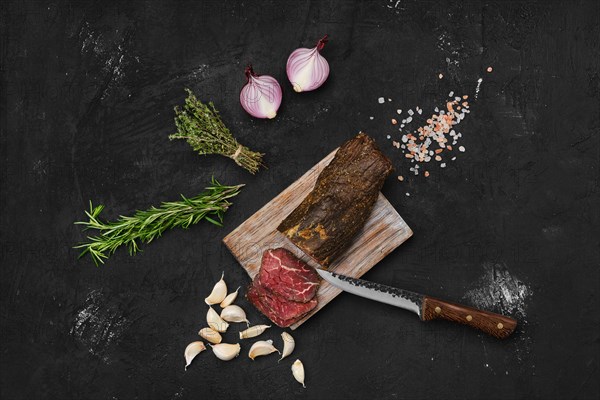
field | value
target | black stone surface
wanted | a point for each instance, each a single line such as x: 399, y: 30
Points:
x: 87, y: 96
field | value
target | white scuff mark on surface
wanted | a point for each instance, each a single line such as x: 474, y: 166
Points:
x: 98, y: 325
x: 443, y: 41
x: 452, y: 63
x: 179, y: 394
x: 200, y: 73
x: 114, y: 66
x: 110, y: 53
x: 394, y: 4
x: 499, y: 291
x: 454, y: 50
x: 40, y: 167
x: 87, y: 37
x: 552, y: 232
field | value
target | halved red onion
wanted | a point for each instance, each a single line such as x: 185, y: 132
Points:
x: 261, y: 96
x: 307, y: 69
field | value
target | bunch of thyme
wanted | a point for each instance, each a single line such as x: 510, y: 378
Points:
x: 202, y: 127
x: 145, y: 226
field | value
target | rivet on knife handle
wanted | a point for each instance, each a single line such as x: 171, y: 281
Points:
x: 491, y: 323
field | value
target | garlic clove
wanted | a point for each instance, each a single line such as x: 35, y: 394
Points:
x: 253, y: 331
x: 191, y: 351
x: 234, y: 313
x: 226, y: 351
x: 262, y: 348
x: 288, y: 345
x: 298, y: 372
x: 211, y: 335
x: 229, y: 299
x: 218, y: 293
x: 215, y: 322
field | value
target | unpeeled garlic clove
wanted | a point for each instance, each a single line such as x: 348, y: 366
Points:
x: 215, y: 322
x: 226, y: 351
x: 234, y: 313
x: 253, y: 331
x: 229, y: 299
x: 288, y: 345
x: 262, y: 348
x: 211, y: 335
x: 218, y: 293
x: 298, y: 371
x: 191, y: 351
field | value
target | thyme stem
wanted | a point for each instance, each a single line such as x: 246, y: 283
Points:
x: 201, y: 126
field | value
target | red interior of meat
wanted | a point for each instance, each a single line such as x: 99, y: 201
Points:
x: 285, y: 287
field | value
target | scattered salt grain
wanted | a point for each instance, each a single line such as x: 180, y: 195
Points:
x: 408, y: 194
x: 489, y: 69
x: 437, y: 135
x: 389, y: 137
x: 381, y: 100
x: 371, y: 118
x: 440, y: 76
x: 389, y: 99
x: 438, y: 131
x: 478, y: 86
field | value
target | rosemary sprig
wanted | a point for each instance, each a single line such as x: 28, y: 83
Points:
x: 145, y: 226
x: 202, y: 127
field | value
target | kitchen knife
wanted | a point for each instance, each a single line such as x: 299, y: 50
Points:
x: 427, y: 308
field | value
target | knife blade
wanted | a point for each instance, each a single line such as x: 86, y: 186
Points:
x: 426, y: 307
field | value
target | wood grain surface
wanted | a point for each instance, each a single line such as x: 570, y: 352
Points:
x: 383, y: 232
x: 491, y: 323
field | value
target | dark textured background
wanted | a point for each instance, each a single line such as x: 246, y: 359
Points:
x: 87, y: 96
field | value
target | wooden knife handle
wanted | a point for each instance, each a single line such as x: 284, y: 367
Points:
x: 491, y: 323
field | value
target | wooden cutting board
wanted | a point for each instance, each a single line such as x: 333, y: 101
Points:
x: 383, y: 232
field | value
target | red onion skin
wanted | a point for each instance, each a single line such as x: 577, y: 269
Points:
x: 305, y: 77
x: 261, y: 96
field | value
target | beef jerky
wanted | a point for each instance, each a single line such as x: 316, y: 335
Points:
x: 328, y: 219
